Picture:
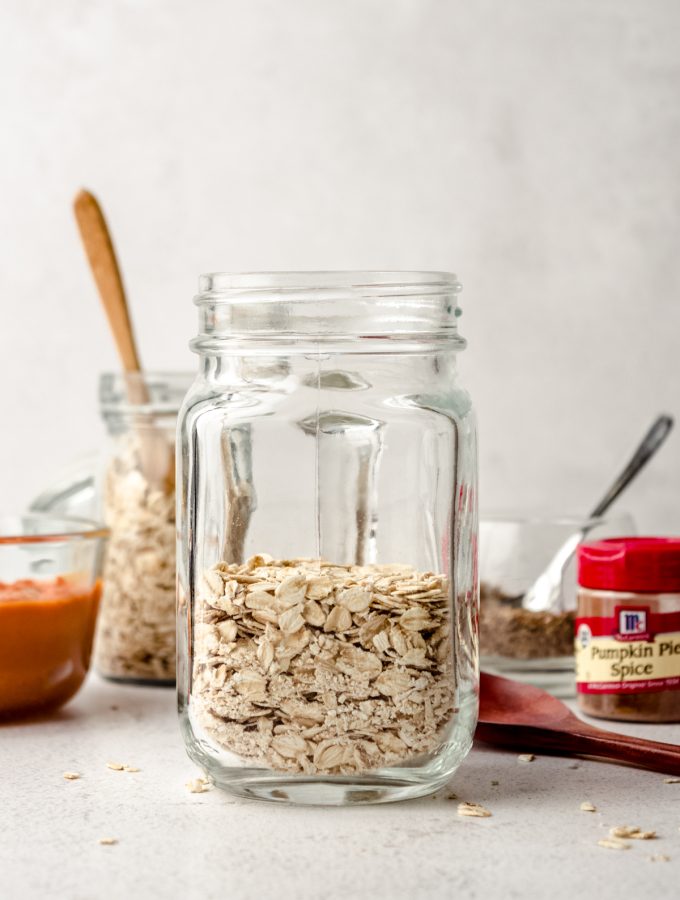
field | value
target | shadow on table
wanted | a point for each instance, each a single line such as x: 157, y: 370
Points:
x: 99, y: 699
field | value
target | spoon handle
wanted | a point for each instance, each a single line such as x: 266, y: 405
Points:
x: 625, y: 748
x: 584, y: 740
x: 98, y: 245
x: 651, y: 442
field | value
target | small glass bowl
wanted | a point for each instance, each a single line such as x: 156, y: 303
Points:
x: 536, y: 647
x: 50, y: 571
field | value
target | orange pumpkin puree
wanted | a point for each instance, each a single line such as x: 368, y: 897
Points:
x: 46, y: 632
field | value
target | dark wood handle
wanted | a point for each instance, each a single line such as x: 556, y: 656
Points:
x: 625, y: 748
x: 586, y: 741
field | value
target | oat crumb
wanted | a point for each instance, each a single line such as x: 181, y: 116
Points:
x: 71, y: 776
x: 631, y: 831
x: 671, y: 781
x: 108, y: 841
x: 474, y: 810
x: 198, y: 785
x: 573, y: 766
x: 613, y: 844
x: 127, y: 768
x: 526, y: 757
x: 495, y: 783
x: 117, y: 767
x: 588, y: 807
x: 659, y: 857
x: 451, y: 797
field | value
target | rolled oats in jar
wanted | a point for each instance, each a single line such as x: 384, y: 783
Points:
x: 135, y: 638
x: 327, y: 518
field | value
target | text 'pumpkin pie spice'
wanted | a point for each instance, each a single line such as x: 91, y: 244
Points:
x: 627, y: 641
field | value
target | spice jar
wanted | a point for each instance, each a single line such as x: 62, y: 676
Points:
x: 628, y: 629
x: 327, y: 564
x: 135, y: 638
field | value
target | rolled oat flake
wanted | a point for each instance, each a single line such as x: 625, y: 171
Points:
x: 627, y: 641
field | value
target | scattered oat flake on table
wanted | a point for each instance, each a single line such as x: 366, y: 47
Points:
x: 475, y: 810
x: 198, y: 785
x: 631, y: 831
x: 671, y: 781
x: 71, y: 776
x: 613, y: 844
x: 495, y: 783
x: 588, y: 807
x: 117, y: 767
x: 526, y: 757
x: 659, y: 857
x: 451, y: 797
x: 108, y: 841
x: 130, y: 769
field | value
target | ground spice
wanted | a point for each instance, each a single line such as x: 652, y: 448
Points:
x: 628, y: 629
x: 508, y: 630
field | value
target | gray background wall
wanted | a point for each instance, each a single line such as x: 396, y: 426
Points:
x: 533, y: 147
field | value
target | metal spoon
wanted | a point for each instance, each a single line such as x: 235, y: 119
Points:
x: 544, y: 593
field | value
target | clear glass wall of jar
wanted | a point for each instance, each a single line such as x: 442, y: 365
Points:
x: 135, y: 638
x: 327, y: 511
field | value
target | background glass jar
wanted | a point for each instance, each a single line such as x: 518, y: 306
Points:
x: 132, y: 487
x: 327, y: 562
x: 135, y: 638
x: 533, y: 645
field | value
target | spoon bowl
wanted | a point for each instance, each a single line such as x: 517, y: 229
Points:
x: 544, y: 593
x: 522, y: 717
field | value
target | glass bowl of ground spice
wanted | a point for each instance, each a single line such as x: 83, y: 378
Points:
x: 49, y: 595
x: 535, y: 646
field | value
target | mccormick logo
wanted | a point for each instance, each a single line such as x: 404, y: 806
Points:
x: 633, y: 623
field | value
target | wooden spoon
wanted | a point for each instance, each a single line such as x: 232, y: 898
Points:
x: 155, y: 452
x: 522, y: 717
x: 96, y: 239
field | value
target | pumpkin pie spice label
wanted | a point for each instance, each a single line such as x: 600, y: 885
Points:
x: 634, y: 650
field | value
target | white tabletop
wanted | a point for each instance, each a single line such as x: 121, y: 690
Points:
x: 177, y: 844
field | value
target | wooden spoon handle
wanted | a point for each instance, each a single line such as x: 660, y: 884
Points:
x: 102, y: 258
x: 637, y: 751
x: 585, y: 741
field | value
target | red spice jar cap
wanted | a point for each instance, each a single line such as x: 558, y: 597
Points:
x: 639, y: 564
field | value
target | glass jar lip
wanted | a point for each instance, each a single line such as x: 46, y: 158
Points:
x: 228, y: 286
x: 279, y: 308
x: 38, y: 528
x: 539, y: 518
x: 148, y: 392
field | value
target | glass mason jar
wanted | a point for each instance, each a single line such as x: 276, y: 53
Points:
x: 135, y: 638
x: 327, y: 512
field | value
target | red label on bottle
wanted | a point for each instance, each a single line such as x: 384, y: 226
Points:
x: 632, y: 651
